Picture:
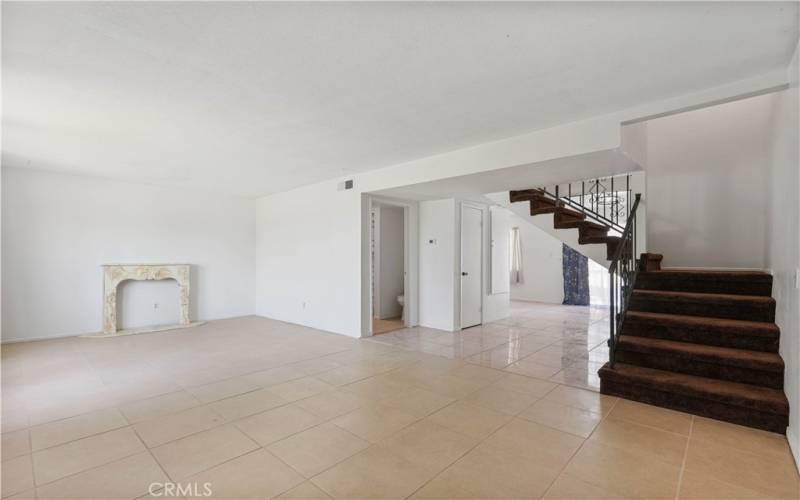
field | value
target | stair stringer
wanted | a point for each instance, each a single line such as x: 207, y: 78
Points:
x: 595, y: 252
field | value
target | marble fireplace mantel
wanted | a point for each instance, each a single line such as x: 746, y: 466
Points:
x: 114, y: 274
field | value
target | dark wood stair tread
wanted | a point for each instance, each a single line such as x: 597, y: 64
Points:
x: 711, y: 305
x: 543, y: 210
x: 524, y: 195
x: 589, y: 232
x: 740, y: 358
x: 590, y: 240
x: 735, y: 275
x: 707, y: 281
x: 735, y: 326
x: 731, y: 393
x: 588, y: 225
x: 568, y: 212
x: 704, y: 296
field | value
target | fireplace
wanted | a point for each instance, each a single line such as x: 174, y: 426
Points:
x: 114, y: 274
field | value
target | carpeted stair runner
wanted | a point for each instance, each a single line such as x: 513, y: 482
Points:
x: 702, y: 342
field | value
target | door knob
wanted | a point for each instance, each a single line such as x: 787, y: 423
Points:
x: 464, y: 274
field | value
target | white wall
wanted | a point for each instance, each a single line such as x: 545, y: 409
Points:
x: 543, y: 275
x: 308, y: 258
x: 707, y: 179
x: 391, y: 260
x: 58, y: 229
x: 437, y: 265
x: 544, y: 222
x: 783, y: 233
x: 599, y: 285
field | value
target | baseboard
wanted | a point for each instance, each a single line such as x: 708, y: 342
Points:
x: 65, y: 335
x: 44, y: 337
x: 288, y: 322
x: 709, y: 268
x: 533, y: 301
x: 794, y: 445
x: 450, y: 328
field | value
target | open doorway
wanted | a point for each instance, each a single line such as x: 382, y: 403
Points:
x: 388, y: 246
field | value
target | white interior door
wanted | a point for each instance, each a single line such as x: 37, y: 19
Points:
x: 471, y: 252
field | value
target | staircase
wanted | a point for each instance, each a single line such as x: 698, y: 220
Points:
x: 592, y: 227
x: 702, y: 342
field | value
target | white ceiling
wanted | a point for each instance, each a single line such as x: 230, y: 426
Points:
x: 255, y: 98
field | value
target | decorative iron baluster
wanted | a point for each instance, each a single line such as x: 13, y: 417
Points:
x: 611, y: 215
x: 583, y: 197
x: 622, y: 276
x: 597, y: 195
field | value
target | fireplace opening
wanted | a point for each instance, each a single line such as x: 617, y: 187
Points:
x: 147, y: 303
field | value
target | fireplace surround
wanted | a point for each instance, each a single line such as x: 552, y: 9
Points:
x: 114, y: 274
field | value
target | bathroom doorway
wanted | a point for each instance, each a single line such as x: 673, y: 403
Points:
x: 388, y: 246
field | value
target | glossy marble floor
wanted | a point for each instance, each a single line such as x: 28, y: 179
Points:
x: 255, y: 408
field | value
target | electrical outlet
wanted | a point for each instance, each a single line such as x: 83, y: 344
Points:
x: 155, y: 305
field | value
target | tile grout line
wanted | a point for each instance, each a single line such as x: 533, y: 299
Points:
x: 309, y: 479
x: 654, y: 428
x: 150, y: 452
x: 685, y: 457
x: 258, y: 447
x: 460, y: 457
x: 323, y: 422
x: 33, y: 470
x: 585, y: 440
x: 371, y: 444
x: 476, y: 445
x: 118, y: 459
x: 132, y: 425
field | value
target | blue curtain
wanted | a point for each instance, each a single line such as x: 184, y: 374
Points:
x: 576, y: 277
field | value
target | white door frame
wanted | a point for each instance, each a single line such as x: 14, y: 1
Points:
x: 375, y: 264
x: 410, y: 260
x: 458, y: 294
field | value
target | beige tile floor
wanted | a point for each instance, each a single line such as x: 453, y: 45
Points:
x: 256, y: 408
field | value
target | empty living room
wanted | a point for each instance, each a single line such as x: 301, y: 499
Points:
x: 389, y: 250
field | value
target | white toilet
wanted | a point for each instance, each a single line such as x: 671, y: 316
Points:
x: 401, y: 299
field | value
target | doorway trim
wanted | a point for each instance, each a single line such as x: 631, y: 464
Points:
x: 410, y: 259
x: 375, y: 263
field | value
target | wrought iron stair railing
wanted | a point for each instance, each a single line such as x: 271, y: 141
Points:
x: 622, y: 276
x: 606, y: 200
